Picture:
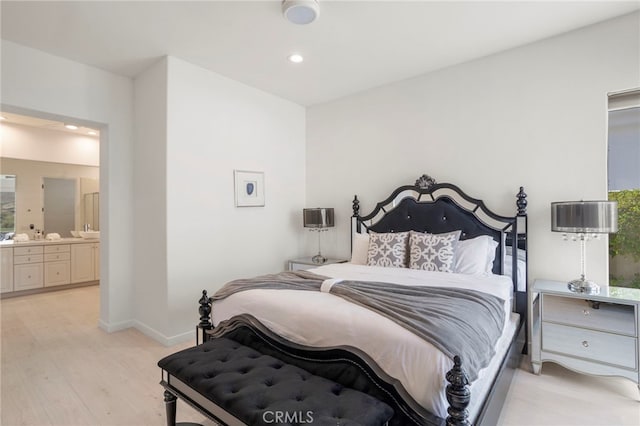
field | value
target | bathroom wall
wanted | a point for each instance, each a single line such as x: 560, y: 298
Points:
x: 29, y: 199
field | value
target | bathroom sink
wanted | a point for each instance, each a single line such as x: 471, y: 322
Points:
x: 90, y: 234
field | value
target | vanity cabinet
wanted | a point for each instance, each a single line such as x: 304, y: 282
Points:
x: 85, y: 262
x: 57, y: 265
x: 6, y: 269
x: 40, y: 265
x: 28, y: 268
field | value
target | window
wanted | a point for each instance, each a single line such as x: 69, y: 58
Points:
x: 624, y: 187
x: 7, y: 204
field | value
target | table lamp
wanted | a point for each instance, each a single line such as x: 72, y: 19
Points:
x: 585, y: 219
x: 318, y: 219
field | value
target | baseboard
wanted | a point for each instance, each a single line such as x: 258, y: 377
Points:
x: 161, y: 338
x: 149, y: 332
x: 111, y: 328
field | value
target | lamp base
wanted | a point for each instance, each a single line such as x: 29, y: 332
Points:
x: 319, y: 259
x: 581, y: 285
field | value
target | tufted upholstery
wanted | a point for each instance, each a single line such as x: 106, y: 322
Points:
x: 437, y: 217
x: 247, y: 384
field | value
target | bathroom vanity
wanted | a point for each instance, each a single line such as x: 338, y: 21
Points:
x: 39, y: 265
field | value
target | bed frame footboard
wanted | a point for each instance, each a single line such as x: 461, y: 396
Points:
x: 457, y: 392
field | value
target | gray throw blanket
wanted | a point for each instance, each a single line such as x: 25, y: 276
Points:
x: 457, y: 321
x: 291, y: 280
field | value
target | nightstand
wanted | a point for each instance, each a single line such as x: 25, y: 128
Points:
x: 307, y: 263
x: 588, y: 333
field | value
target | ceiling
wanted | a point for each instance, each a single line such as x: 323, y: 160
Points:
x: 353, y: 46
x: 41, y: 123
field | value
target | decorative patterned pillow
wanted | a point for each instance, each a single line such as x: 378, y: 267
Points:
x: 433, y: 252
x: 389, y: 249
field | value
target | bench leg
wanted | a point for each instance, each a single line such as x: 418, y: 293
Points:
x: 170, y: 405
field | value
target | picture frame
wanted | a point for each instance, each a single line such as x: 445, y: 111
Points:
x: 249, y: 188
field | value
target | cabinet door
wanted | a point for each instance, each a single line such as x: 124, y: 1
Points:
x: 57, y: 273
x: 27, y: 276
x: 82, y: 263
x: 6, y: 271
x: 96, y: 261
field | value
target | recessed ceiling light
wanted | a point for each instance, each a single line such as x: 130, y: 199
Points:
x: 2, y: 118
x: 92, y: 132
x: 296, y: 58
x: 71, y: 126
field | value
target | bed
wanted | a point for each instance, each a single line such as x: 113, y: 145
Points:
x: 344, y: 328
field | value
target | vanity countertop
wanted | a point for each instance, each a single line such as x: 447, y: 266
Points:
x: 11, y: 243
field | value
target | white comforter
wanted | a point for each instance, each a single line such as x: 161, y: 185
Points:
x: 322, y: 319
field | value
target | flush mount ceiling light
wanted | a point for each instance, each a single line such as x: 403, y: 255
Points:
x: 300, y: 12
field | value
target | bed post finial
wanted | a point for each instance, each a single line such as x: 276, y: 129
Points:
x: 205, y: 310
x: 425, y: 182
x: 356, y: 206
x: 521, y: 202
x: 205, y: 318
x: 458, y: 395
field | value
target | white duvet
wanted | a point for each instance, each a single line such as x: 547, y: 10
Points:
x: 322, y: 319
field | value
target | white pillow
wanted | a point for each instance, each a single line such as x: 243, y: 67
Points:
x: 360, y: 249
x: 475, y: 255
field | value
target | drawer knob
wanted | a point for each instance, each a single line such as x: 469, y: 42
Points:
x: 586, y: 312
x: 585, y: 343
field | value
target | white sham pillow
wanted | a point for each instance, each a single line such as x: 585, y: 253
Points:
x: 360, y: 249
x: 475, y: 255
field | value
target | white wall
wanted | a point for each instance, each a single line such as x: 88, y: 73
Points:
x: 39, y: 84
x: 184, y: 172
x: 533, y: 116
x: 54, y: 146
x: 217, y: 125
x: 150, y: 201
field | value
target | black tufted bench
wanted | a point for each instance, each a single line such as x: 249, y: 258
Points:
x: 235, y: 384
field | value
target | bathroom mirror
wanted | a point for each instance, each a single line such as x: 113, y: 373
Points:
x: 91, y: 207
x: 59, y: 205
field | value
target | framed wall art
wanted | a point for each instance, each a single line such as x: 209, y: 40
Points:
x: 249, y: 188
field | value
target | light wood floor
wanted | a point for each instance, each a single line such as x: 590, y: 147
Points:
x: 59, y: 368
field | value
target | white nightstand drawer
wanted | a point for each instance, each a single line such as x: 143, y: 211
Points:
x: 22, y: 251
x: 593, y: 345
x: 31, y: 258
x: 58, y: 248
x: 52, y: 257
x: 617, y: 318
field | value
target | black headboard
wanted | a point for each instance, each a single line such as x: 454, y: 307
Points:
x: 436, y: 208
